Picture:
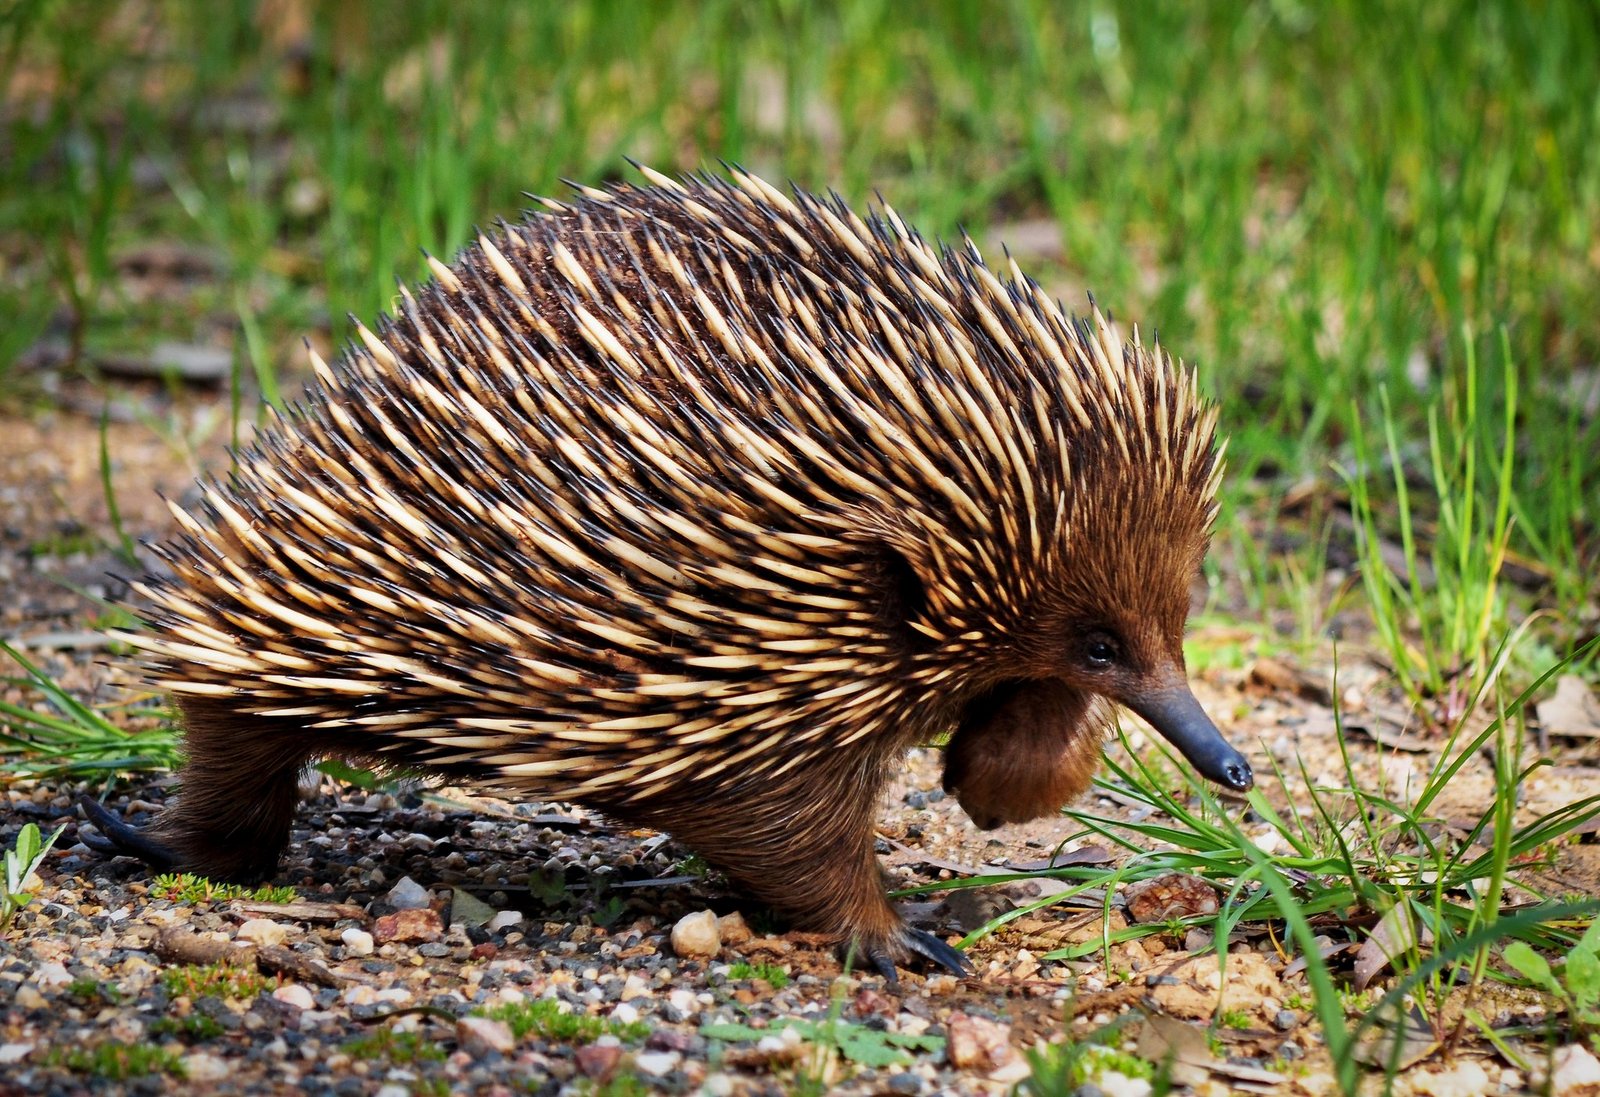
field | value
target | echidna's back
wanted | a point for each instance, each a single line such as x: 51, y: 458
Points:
x: 698, y: 504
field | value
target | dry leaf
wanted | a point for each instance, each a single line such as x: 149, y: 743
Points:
x: 1394, y: 935
x: 1572, y: 710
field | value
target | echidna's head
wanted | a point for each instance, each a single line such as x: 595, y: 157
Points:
x: 1072, y: 595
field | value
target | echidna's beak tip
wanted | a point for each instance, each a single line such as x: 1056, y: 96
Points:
x: 1182, y: 722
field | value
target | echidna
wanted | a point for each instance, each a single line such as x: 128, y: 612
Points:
x: 699, y: 504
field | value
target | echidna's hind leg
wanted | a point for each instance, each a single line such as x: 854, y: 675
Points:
x: 232, y: 815
x: 813, y: 860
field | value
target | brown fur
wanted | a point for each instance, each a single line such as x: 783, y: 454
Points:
x: 1026, y: 756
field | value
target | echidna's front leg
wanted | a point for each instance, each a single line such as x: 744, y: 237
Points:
x: 813, y: 861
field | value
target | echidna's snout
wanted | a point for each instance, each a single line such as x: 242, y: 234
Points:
x: 1175, y: 713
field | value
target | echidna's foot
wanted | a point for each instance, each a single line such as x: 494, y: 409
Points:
x: 117, y: 837
x: 885, y: 956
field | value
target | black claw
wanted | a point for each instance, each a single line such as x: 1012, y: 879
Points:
x: 118, y: 837
x: 881, y: 960
x: 936, y: 951
x: 918, y: 943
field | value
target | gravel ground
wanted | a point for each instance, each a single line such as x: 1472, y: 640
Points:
x: 413, y: 912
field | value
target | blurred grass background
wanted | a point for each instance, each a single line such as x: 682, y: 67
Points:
x: 1313, y: 201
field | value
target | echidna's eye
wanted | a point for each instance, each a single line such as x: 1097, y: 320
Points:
x: 1099, y: 651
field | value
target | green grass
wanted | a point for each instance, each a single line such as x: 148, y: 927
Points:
x: 186, y: 887
x: 196, y: 1026
x: 772, y: 974
x: 400, y: 1048
x: 116, y: 1061
x: 219, y: 980
x: 1060, y: 1069
x: 550, y: 1019
x: 70, y: 738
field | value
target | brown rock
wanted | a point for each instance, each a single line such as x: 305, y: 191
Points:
x: 598, y: 1061
x: 1196, y: 986
x: 733, y: 930
x: 408, y: 925
x: 1168, y: 896
x: 979, y: 1044
x: 869, y: 1002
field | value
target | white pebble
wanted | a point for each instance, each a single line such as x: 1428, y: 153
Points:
x: 625, y: 1014
x: 1269, y: 842
x: 295, y: 995
x: 485, y: 1033
x: 695, y: 936
x: 505, y: 920
x: 357, y: 941
x: 1462, y: 1078
x: 657, y: 1063
x: 51, y: 974
x: 634, y: 987
x: 263, y: 931
x: 407, y: 894
x: 200, y: 1067
x: 1115, y: 1084
x: 1574, y: 1071
x: 14, y: 1053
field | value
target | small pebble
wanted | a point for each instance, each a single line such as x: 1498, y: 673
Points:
x: 200, y: 1066
x: 357, y: 941
x: 1574, y: 1070
x: 597, y: 1060
x: 483, y: 1034
x: 656, y: 1063
x: 409, y: 925
x: 696, y: 937
x: 263, y: 931
x: 295, y: 995
x: 1114, y: 1084
x: 50, y: 975
x: 505, y: 920
x: 732, y: 929
x: 408, y: 895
